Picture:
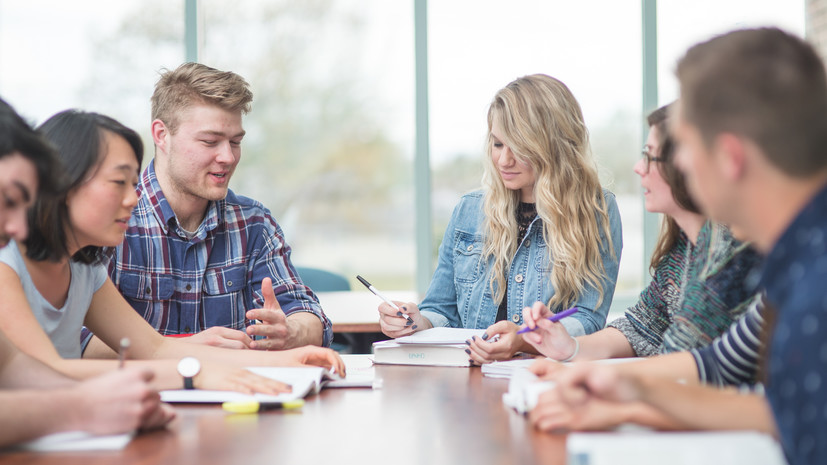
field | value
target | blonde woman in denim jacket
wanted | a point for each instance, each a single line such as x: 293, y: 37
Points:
x: 541, y: 229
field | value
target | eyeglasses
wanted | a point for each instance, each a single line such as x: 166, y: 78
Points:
x: 648, y: 158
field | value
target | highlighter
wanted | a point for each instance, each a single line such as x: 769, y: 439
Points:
x: 255, y: 407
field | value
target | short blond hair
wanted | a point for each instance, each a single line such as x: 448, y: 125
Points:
x: 194, y: 83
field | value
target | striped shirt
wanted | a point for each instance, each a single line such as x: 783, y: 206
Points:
x: 732, y: 358
x: 695, y: 295
x: 182, y: 284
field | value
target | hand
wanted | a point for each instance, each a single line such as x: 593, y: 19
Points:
x: 393, y: 323
x: 584, y: 381
x: 550, y: 338
x: 219, y: 336
x: 273, y: 327
x: 314, y: 356
x: 221, y: 377
x: 553, y: 415
x: 481, y: 350
x: 546, y: 369
x: 120, y: 401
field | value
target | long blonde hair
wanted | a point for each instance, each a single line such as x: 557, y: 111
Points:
x: 542, y: 124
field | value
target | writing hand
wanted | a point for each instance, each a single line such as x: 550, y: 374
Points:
x: 550, y: 338
x: 393, y: 323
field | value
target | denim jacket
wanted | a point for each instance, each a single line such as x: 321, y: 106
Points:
x: 460, y: 294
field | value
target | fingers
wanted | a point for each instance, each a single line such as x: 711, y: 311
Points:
x: 480, y: 351
x: 334, y: 362
x: 269, y: 294
x: 273, y: 325
x: 219, y: 336
x: 545, y: 369
x: 250, y: 383
x: 535, y: 313
x: 393, y: 322
x: 549, y: 414
x: 156, y: 415
x: 272, y: 328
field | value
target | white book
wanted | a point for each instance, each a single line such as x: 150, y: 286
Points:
x: 394, y: 353
x: 434, y: 346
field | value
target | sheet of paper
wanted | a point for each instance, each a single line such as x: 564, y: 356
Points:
x: 504, y: 369
x: 673, y: 448
x: 440, y: 336
x: 76, y: 441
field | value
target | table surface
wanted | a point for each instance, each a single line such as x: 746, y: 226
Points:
x: 421, y: 415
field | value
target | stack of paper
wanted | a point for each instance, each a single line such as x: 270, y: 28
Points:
x: 506, y: 368
x: 435, y: 346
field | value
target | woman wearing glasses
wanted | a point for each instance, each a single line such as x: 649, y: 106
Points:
x: 698, y: 285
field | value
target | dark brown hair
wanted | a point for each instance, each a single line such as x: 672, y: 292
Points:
x: 763, y: 84
x: 670, y: 231
x: 79, y: 138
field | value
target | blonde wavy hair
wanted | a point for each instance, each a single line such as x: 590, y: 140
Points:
x: 541, y: 122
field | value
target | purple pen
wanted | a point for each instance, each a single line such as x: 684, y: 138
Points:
x: 552, y: 318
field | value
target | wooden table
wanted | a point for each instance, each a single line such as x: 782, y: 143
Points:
x: 422, y: 415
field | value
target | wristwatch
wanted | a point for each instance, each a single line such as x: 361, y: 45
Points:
x: 188, y: 367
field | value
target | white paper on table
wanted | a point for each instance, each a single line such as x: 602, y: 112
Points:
x: 76, y: 441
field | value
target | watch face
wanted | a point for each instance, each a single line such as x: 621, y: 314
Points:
x: 189, y: 367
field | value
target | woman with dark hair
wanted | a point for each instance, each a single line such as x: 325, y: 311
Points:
x: 36, y: 400
x: 55, y: 282
x: 699, y: 268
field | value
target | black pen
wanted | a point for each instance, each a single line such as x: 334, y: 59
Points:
x: 375, y: 292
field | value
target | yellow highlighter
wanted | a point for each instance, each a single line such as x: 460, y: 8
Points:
x: 255, y: 407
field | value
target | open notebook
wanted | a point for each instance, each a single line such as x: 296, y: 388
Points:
x: 305, y: 381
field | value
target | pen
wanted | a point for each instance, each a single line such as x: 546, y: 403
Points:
x: 255, y: 407
x: 373, y: 289
x: 552, y: 318
x: 122, y: 351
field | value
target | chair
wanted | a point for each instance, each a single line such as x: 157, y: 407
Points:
x: 320, y: 280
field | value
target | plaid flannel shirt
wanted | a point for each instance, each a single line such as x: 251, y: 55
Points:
x: 185, y: 285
